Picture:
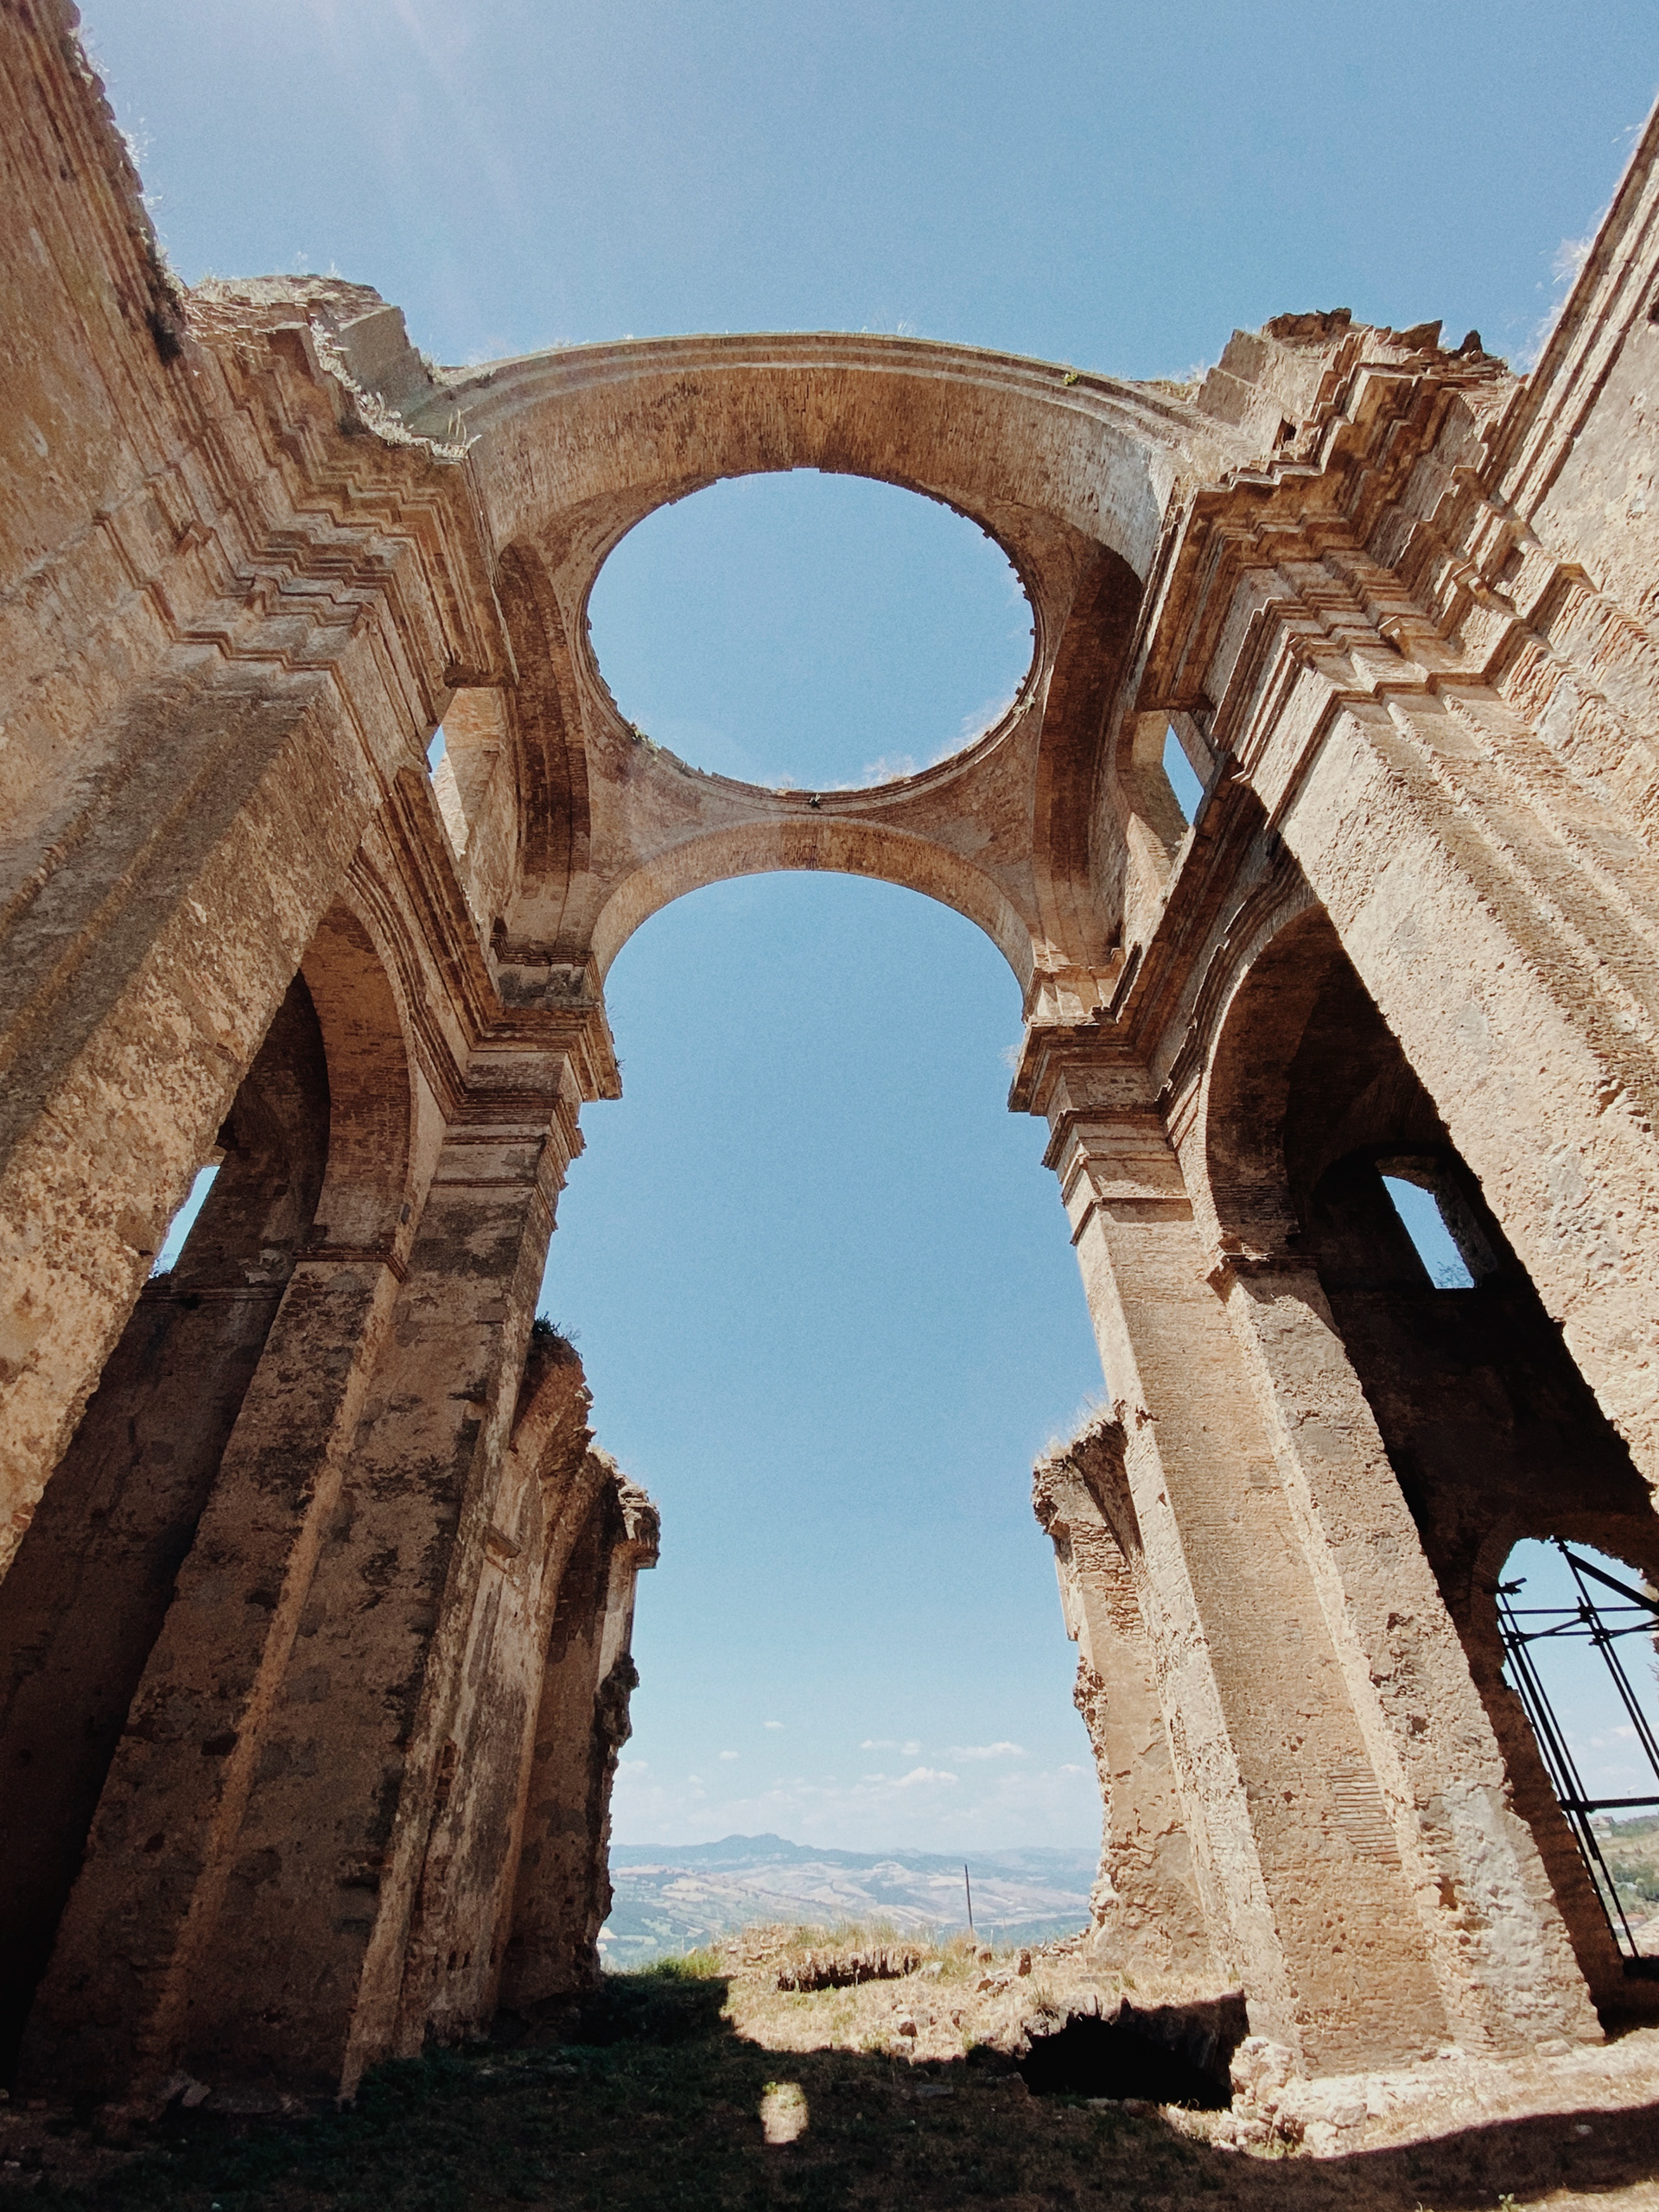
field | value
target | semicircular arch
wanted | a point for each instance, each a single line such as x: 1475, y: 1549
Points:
x: 1072, y: 477
x: 833, y: 845
x: 606, y: 433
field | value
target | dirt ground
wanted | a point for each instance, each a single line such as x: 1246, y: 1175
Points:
x: 701, y: 2084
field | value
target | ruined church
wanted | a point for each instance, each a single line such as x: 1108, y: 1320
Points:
x: 317, y: 1590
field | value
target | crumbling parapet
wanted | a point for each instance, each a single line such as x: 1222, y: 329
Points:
x: 1146, y: 1913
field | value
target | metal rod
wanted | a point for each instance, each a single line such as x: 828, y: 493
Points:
x: 968, y: 1888
x: 1591, y: 1621
x: 1638, y: 1719
x: 1565, y: 1778
x: 1583, y: 1567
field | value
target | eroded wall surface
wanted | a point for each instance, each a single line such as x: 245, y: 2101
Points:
x: 362, y: 1583
x: 1149, y: 1917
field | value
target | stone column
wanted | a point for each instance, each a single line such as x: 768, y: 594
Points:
x: 462, y: 1917
x: 305, y: 1975
x: 1506, y: 1969
x: 85, y: 1597
x: 134, y: 1945
x: 563, y: 1895
x: 247, y: 1889
x: 1149, y: 1917
x: 1310, y: 1907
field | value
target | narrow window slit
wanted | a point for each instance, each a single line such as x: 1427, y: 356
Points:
x: 184, y: 1221
x: 1183, y: 780
x: 1443, y: 1237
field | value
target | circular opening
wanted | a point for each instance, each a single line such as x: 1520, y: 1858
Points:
x: 822, y: 632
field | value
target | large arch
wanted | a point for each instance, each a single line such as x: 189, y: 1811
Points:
x: 1466, y: 1422
x: 573, y: 447
x: 842, y: 848
x: 1076, y: 479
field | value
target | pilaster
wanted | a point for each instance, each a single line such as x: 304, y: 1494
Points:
x: 114, y: 2010
x: 562, y: 1894
x: 1309, y: 1904
x: 1503, y: 1960
x: 287, y: 1745
x: 1150, y: 1919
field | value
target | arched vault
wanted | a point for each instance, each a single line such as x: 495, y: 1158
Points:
x: 1076, y: 478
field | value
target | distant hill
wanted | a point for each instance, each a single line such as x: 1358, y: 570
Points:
x: 671, y: 1898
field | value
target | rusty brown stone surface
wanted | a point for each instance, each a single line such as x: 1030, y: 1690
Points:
x: 1149, y: 1917
x: 344, y: 1734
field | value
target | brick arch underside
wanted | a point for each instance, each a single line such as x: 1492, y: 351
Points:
x: 838, y: 848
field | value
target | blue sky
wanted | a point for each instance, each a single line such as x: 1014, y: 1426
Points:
x: 802, y: 609
x: 1599, y: 1729
x: 821, y: 1281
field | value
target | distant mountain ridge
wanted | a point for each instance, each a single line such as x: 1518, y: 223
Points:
x: 673, y: 1897
x: 777, y: 1850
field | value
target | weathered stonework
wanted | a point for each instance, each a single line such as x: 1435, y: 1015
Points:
x: 1150, y: 1919
x: 314, y: 1637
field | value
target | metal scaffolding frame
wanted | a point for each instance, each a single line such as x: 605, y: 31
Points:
x: 1602, y: 1624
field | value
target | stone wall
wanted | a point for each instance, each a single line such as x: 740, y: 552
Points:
x: 359, y: 1586
x: 1149, y: 1917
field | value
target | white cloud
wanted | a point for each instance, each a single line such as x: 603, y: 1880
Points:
x: 986, y: 1751
x: 974, y: 725
x: 911, y: 1805
x: 907, y: 1750
x: 728, y: 1755
x: 1567, y: 264
x: 889, y: 768
x: 771, y: 1724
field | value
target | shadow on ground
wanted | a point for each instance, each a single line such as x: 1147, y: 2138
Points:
x: 647, y: 2098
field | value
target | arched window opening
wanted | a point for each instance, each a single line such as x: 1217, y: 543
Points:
x: 445, y: 789
x: 1580, y: 1632
x: 1327, y: 1150
x: 1184, y: 781
x: 1436, y: 1214
x: 469, y: 762
x: 184, y: 1221
x: 1167, y: 767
